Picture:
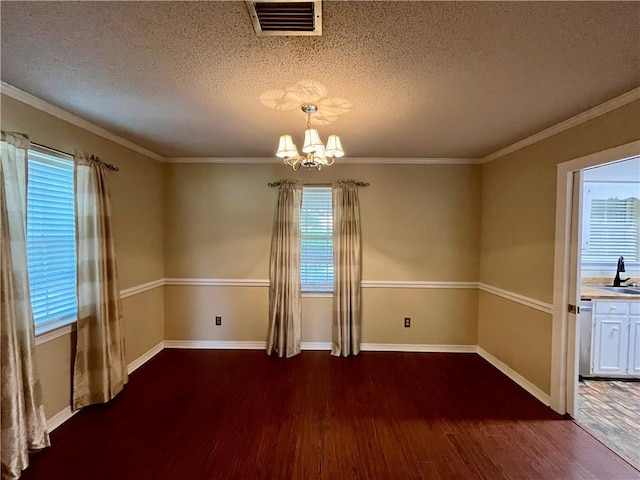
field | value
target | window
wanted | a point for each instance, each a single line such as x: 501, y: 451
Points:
x: 51, y: 239
x: 613, y: 230
x: 316, y: 229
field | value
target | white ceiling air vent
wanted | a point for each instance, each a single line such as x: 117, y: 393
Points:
x: 286, y: 17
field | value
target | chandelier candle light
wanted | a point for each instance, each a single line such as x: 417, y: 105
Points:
x: 315, y: 155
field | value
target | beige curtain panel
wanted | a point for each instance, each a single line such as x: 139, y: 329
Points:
x: 285, y: 307
x: 347, y: 261
x: 23, y: 422
x: 100, y: 369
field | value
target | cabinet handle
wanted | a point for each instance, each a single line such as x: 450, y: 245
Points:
x: 612, y: 308
x: 615, y: 329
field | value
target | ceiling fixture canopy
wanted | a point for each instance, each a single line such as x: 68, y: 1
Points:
x: 315, y: 154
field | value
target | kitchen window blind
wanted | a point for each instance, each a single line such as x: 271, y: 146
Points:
x: 614, y: 230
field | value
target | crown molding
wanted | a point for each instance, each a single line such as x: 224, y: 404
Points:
x: 583, y: 117
x: 411, y: 161
x: 44, y: 106
x: 222, y: 160
x: 345, y: 160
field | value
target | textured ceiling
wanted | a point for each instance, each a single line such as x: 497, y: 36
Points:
x: 422, y: 79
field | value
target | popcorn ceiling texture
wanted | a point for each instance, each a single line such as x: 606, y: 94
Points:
x: 422, y: 79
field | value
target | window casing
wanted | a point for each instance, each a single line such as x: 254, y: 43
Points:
x: 51, y: 239
x: 316, y: 230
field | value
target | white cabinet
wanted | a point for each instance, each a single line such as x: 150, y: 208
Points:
x: 616, y: 338
x: 634, y: 339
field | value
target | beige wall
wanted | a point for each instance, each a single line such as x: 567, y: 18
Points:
x: 136, y: 201
x: 518, y: 234
x: 518, y: 335
x: 439, y: 317
x: 493, y: 223
x: 419, y: 223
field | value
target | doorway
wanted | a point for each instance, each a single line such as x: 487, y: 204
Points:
x: 608, y: 334
x: 567, y: 290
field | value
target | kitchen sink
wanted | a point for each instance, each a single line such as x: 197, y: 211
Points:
x: 625, y: 290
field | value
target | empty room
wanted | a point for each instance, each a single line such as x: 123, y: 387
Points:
x: 320, y: 240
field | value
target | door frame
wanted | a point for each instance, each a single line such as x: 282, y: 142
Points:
x: 560, y: 345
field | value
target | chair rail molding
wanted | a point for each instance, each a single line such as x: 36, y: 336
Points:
x: 516, y: 297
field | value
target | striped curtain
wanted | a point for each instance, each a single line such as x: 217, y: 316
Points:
x: 23, y: 422
x: 100, y: 369
x: 285, y: 307
x: 347, y: 261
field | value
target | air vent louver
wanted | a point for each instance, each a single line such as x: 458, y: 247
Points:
x: 287, y: 18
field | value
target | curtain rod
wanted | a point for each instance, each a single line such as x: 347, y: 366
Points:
x: 357, y: 183
x: 107, y: 165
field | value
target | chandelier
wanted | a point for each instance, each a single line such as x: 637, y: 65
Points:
x: 315, y: 154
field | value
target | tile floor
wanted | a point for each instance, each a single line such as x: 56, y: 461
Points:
x: 610, y: 411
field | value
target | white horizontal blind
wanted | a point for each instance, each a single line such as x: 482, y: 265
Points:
x: 51, y: 237
x: 614, y: 230
x: 316, y: 228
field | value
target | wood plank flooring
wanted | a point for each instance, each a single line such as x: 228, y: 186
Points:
x: 610, y: 410
x: 200, y: 415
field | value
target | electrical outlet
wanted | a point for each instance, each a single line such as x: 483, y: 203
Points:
x: 407, y: 322
x: 218, y: 320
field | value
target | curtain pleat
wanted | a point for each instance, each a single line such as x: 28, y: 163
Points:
x: 23, y: 421
x: 100, y: 369
x: 347, y: 260
x: 285, y: 307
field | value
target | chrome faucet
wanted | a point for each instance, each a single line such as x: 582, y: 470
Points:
x: 617, y: 281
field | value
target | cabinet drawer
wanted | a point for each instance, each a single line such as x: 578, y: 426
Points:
x: 635, y: 308
x: 611, y: 308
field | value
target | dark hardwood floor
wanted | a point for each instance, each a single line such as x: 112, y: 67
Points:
x: 200, y: 415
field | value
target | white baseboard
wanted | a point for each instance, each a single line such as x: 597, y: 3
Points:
x: 515, y: 376
x: 144, y: 358
x: 66, y: 413
x: 371, y: 347
x: 59, y: 418
x: 315, y: 346
x: 216, y: 344
x: 408, y: 347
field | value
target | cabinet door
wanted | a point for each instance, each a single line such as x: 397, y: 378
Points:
x: 611, y: 345
x: 634, y: 346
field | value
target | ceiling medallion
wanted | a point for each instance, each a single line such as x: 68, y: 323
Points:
x: 315, y: 154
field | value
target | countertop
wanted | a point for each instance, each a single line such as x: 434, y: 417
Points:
x: 591, y: 292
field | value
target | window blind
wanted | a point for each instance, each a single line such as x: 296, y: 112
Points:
x: 614, y: 230
x: 316, y: 229
x: 51, y: 237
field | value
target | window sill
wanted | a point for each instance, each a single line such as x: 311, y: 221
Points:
x: 51, y: 331
x: 317, y: 294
